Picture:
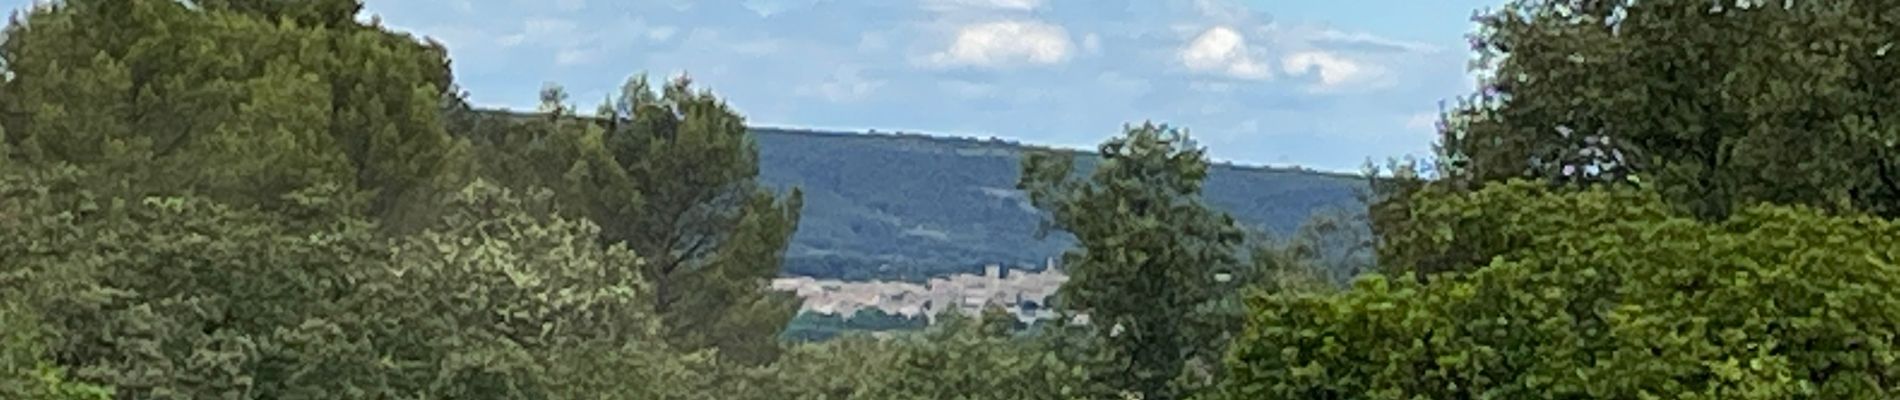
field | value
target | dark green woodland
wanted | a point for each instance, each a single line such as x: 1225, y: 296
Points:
x: 273, y: 199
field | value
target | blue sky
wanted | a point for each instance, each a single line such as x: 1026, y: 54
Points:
x: 1323, y: 84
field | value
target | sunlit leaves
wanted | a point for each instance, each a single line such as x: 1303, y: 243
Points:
x: 497, y: 301
x: 1602, y: 303
x: 230, y: 101
x: 670, y: 173
x: 1149, y: 249
x: 1719, y: 107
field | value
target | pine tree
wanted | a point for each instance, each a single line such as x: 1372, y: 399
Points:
x: 712, y: 236
x: 672, y: 174
x: 274, y: 144
x: 169, y: 87
x: 25, y: 373
x: 6, y: 149
x: 1149, y: 249
x: 326, y: 13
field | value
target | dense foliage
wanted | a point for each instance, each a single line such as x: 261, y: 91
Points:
x: 265, y: 199
x: 672, y: 176
x: 958, y: 358
x: 1655, y: 199
x: 1719, y: 106
x: 26, y: 373
x: 1149, y: 249
x: 1604, y: 299
x: 234, y: 100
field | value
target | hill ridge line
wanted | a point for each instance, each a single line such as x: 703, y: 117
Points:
x: 958, y: 139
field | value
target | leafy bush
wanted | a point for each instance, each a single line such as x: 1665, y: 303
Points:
x: 959, y: 358
x: 25, y: 373
x: 1775, y: 303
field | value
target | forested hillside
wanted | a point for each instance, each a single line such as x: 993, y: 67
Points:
x: 909, y: 207
x: 885, y: 206
x: 272, y: 199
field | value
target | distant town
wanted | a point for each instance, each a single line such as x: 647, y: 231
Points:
x: 1023, y: 293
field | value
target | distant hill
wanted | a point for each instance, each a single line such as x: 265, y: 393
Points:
x: 907, y: 206
x: 899, y: 206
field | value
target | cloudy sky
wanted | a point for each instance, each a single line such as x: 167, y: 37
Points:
x: 1319, y: 83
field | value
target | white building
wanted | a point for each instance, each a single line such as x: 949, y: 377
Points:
x: 1020, y: 292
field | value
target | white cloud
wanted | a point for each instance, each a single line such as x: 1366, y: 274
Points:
x: 758, y: 47
x: 574, y: 56
x: 1215, y: 108
x: 873, y: 42
x: 511, y: 40
x: 547, y: 31
x: 1215, y: 87
x: 968, y: 89
x: 950, y: 5
x: 571, y: 44
x: 1055, y: 71
x: 1224, y: 51
x: 1001, y: 43
x: 458, y: 39
x: 678, y: 5
x: 845, y: 85
x: 661, y: 33
x: 567, y: 32
x: 1426, y: 120
x: 1335, y: 35
x: 1224, y: 10
x: 1333, y: 70
x: 1248, y: 127
x: 1121, y: 83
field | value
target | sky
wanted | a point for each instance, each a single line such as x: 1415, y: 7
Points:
x: 1321, y: 84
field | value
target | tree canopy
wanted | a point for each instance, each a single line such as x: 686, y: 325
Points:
x: 1776, y: 302
x: 266, y: 199
x: 1720, y: 106
x: 672, y: 175
x: 237, y: 100
x: 1149, y: 250
x: 1655, y: 199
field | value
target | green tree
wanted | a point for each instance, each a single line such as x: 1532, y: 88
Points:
x: 1309, y: 262
x: 183, y: 297
x: 1720, y: 106
x: 704, y: 216
x: 1334, y: 245
x: 1149, y: 250
x: 960, y: 357
x: 1597, y: 301
x: 188, y: 298
x: 231, y: 100
x: 981, y: 358
x: 1452, y: 231
x: 502, y: 299
x: 6, y: 149
x: 273, y: 144
x: 325, y: 13
x: 25, y: 373
x: 672, y: 175
x: 849, y: 367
